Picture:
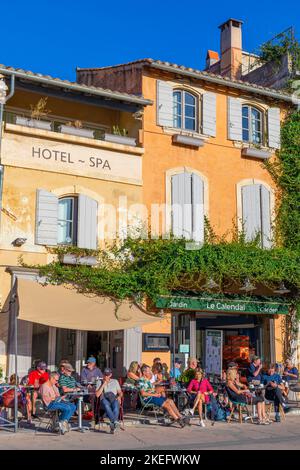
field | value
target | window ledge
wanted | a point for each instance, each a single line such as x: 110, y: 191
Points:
x: 253, y: 152
x: 188, y: 140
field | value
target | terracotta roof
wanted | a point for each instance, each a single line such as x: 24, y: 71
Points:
x: 66, y: 84
x: 212, y: 55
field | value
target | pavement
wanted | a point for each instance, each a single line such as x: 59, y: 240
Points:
x: 221, y: 436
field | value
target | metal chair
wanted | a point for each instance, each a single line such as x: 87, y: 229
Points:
x: 51, y: 424
x: 148, y: 405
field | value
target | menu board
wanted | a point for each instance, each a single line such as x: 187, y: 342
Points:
x: 213, y: 351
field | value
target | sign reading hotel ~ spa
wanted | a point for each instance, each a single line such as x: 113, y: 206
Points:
x: 222, y: 305
x: 60, y: 157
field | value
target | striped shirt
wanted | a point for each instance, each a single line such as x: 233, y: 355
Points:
x: 67, y: 381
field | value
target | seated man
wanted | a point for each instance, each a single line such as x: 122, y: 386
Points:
x: 91, y: 373
x: 66, y: 381
x: 274, y: 389
x: 36, y: 378
x: 53, y: 401
x: 110, y: 394
x: 254, y: 370
x: 175, y: 372
x: 156, y: 396
x: 290, y: 372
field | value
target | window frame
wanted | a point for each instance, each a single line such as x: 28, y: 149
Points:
x: 183, y: 116
x: 250, y: 127
x: 73, y: 220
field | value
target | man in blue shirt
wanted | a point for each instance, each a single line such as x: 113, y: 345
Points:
x: 290, y: 372
x: 254, y: 370
x: 175, y: 371
x: 274, y: 389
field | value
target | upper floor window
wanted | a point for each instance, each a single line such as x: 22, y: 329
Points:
x: 252, y: 125
x: 67, y: 221
x: 184, y: 110
x: 256, y: 214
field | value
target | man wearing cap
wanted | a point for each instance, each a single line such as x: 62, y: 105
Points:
x: 110, y: 394
x: 67, y: 382
x: 175, y: 372
x: 36, y: 378
x: 90, y: 373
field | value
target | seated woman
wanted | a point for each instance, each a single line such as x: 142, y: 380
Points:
x: 24, y: 402
x: 201, y: 389
x: 133, y: 374
x: 239, y: 393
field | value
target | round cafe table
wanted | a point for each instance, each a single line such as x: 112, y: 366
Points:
x: 79, y: 397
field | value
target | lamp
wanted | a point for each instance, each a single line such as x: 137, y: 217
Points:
x: 19, y: 241
x: 210, y: 284
x: 281, y: 289
x: 247, y: 287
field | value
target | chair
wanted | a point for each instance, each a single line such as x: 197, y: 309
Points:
x: 148, y: 405
x: 240, y: 408
x: 270, y: 409
x: 51, y: 424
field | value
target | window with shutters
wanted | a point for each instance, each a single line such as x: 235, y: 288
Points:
x: 184, y: 110
x: 252, y: 124
x: 256, y: 213
x: 187, y: 199
x: 67, y: 221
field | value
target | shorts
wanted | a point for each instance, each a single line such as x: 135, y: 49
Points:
x: 158, y: 401
x: 255, y: 400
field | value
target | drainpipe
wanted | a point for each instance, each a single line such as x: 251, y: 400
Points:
x: 3, y: 100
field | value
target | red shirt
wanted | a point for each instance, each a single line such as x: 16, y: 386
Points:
x: 202, y: 386
x: 42, y: 377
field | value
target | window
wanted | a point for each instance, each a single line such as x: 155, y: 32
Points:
x: 156, y: 342
x: 184, y: 110
x: 256, y: 214
x: 67, y: 221
x: 252, y: 125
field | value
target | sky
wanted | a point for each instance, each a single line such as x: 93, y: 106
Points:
x: 55, y: 36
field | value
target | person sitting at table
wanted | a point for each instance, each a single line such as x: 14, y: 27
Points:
x: 200, y: 388
x: 53, y: 401
x: 90, y: 372
x: 134, y: 373
x: 189, y: 372
x: 36, y: 378
x: 67, y: 381
x: 254, y: 370
x: 239, y: 393
x: 274, y: 391
x: 8, y: 397
x: 151, y: 395
x: 110, y: 394
x: 290, y: 371
x: 165, y: 371
x: 175, y: 372
x: 158, y: 373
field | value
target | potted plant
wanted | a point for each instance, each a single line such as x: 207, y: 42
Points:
x: 119, y: 136
x: 38, y: 111
x: 76, y: 128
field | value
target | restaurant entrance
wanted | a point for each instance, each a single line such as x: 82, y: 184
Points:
x: 107, y: 348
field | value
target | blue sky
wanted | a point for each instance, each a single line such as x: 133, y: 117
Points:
x: 53, y: 37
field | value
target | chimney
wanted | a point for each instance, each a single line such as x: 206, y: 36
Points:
x: 231, y: 48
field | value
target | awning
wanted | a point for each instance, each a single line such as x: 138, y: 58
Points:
x: 64, y: 307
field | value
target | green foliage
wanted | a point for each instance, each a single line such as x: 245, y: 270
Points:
x: 273, y: 52
x: 187, y: 376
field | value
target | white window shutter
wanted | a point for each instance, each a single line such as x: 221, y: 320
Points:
x: 251, y: 210
x: 46, y: 218
x: 187, y: 210
x: 87, y: 222
x: 177, y: 204
x: 234, y: 119
x: 209, y: 114
x: 274, y: 127
x: 265, y: 217
x: 198, y: 208
x: 164, y: 99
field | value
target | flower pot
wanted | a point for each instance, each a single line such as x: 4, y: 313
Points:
x: 82, y: 260
x: 80, y: 132
x: 37, y: 123
x: 120, y: 139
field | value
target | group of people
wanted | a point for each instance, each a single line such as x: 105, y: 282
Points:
x: 59, y: 388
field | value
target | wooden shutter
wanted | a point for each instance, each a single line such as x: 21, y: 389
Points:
x: 209, y: 114
x: 251, y: 210
x: 187, y: 209
x: 177, y: 182
x: 265, y: 217
x: 198, y: 208
x: 164, y: 104
x: 46, y: 218
x: 234, y: 119
x: 274, y: 127
x: 87, y: 222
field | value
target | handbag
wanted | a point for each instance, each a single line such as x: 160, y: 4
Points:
x: 110, y: 396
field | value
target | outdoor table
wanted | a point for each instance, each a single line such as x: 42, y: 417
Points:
x: 176, y: 393
x: 79, y: 397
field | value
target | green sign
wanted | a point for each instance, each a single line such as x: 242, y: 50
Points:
x: 221, y: 305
